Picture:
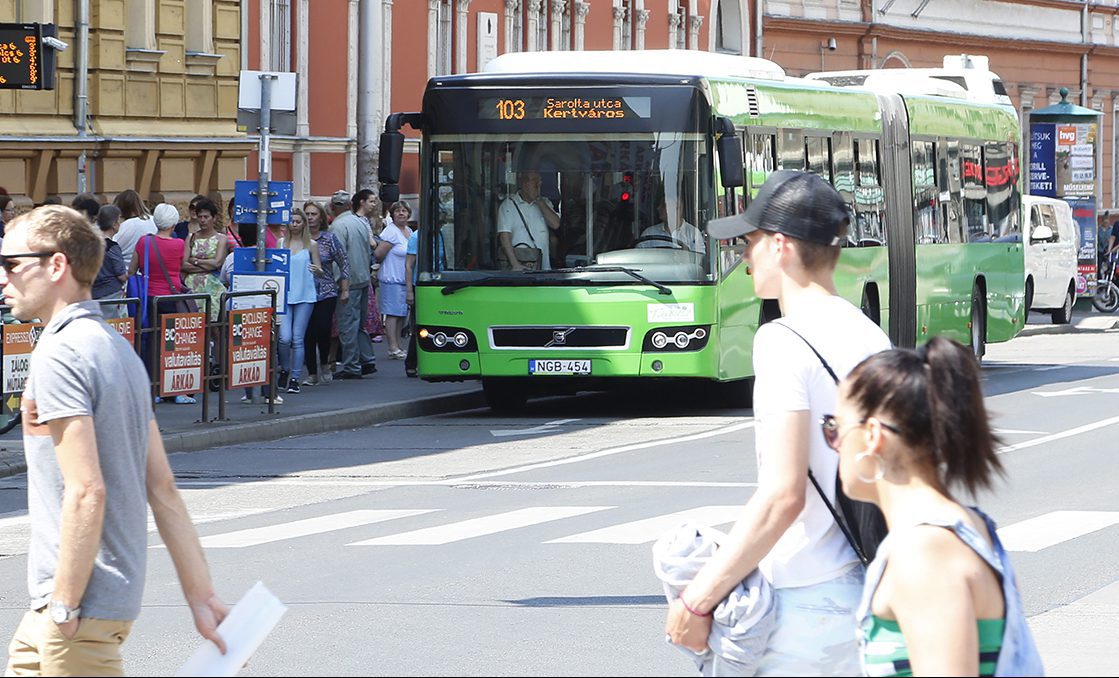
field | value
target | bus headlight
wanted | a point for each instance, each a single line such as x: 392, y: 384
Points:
x: 686, y: 338
x: 446, y: 339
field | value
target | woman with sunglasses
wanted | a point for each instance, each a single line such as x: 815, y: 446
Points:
x: 940, y: 596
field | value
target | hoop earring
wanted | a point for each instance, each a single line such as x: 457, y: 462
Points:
x: 880, y: 470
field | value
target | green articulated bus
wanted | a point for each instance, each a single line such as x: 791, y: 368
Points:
x: 623, y: 142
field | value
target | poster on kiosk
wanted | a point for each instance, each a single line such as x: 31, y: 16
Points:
x: 1065, y: 163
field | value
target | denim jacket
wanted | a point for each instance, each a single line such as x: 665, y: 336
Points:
x: 1018, y: 655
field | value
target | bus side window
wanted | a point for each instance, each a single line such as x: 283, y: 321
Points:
x: 818, y: 151
x: 948, y: 176
x: 790, y: 150
x: 926, y: 211
x: 760, y: 160
x: 975, y: 193
x: 1003, y: 201
x: 870, y: 200
x: 843, y: 175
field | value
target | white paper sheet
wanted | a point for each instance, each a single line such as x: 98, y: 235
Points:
x: 245, y: 627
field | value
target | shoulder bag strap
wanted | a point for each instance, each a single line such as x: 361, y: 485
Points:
x: 831, y: 509
x: 522, y: 216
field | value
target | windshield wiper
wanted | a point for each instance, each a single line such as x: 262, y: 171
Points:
x: 662, y: 289
x: 455, y: 287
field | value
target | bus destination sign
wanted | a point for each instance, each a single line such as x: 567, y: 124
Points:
x: 21, y: 56
x: 572, y: 107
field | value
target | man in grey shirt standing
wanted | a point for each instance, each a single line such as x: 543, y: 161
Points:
x: 353, y: 232
x: 90, y: 438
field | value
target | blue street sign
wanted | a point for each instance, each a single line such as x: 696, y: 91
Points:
x: 244, y: 260
x: 245, y: 202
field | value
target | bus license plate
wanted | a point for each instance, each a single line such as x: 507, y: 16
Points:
x: 559, y: 366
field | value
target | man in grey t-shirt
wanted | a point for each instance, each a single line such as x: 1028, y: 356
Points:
x: 353, y: 232
x: 90, y: 438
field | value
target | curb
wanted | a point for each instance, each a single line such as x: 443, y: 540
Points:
x: 302, y: 424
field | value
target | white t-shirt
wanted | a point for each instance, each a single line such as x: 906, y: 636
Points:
x: 392, y: 266
x: 790, y: 378
x: 130, y: 232
x: 536, y: 235
x: 686, y: 236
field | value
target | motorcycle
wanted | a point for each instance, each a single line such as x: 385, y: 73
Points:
x: 1106, y: 296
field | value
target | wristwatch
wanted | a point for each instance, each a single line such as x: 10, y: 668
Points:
x: 60, y: 614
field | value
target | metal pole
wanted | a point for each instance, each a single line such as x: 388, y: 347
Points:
x: 265, y: 169
x: 81, y: 88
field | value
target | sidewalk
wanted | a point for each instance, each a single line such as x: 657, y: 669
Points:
x: 338, y: 405
x: 1085, y: 318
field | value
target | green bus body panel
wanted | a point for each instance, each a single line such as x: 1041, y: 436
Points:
x: 928, y: 117
x: 739, y: 311
x: 944, y: 284
x: 482, y: 307
x: 797, y: 106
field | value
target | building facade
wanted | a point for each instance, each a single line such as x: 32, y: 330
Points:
x: 160, y: 102
x: 163, y: 74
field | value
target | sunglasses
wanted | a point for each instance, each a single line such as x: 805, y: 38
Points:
x: 829, y: 426
x: 9, y: 261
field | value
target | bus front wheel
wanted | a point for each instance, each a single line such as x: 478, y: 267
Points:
x: 504, y: 395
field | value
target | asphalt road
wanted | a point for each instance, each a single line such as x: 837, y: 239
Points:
x: 468, y: 544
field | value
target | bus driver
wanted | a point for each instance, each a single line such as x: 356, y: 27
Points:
x: 672, y: 231
x: 526, y: 219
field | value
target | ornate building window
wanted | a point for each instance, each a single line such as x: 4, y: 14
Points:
x: 139, y: 25
x: 279, y: 52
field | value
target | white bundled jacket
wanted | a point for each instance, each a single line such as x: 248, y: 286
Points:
x: 741, y: 624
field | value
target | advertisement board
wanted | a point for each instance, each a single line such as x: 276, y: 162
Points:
x: 250, y: 332
x: 19, y: 341
x: 181, y: 353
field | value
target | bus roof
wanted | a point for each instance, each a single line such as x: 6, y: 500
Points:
x: 678, y: 62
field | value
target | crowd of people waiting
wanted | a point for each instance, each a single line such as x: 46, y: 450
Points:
x: 346, y: 287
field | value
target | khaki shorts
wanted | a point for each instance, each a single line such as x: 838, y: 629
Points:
x: 40, y: 649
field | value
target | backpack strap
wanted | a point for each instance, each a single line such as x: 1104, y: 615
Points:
x: 842, y: 524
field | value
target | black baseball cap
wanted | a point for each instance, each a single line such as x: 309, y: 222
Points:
x: 799, y: 204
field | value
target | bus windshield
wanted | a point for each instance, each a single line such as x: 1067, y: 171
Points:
x: 551, y: 203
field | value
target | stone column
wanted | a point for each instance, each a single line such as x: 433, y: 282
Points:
x: 674, y: 29
x: 432, y: 37
x: 694, y: 24
x: 460, y: 36
x: 555, y: 28
x: 512, y: 40
x: 639, y: 28
x: 581, y: 10
x: 533, y: 27
x: 619, y: 17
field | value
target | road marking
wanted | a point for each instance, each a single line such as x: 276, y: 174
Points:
x: 480, y: 527
x: 1058, y: 436
x: 1078, y: 639
x: 457, y: 483
x: 612, y: 451
x: 650, y: 529
x: 1015, y: 431
x: 1074, y: 391
x: 1050, y: 529
x: 549, y: 427
x: 304, y: 528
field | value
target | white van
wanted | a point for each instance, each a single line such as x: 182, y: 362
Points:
x: 1052, y: 240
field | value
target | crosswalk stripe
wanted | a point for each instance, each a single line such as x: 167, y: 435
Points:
x: 649, y: 529
x: 1053, y: 528
x: 478, y: 527
x: 302, y: 528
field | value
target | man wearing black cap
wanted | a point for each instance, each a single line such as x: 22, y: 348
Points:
x: 793, y: 230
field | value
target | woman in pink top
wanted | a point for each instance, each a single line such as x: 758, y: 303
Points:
x: 165, y: 279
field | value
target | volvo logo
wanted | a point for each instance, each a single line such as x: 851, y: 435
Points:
x: 559, y: 337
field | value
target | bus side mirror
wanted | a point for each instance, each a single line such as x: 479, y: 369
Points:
x: 729, y: 147
x: 391, y: 154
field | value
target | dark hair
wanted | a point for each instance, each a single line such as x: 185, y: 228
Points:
x: 4, y: 200
x: 932, y: 395
x: 107, y: 217
x: 86, y: 204
x: 131, y: 205
x: 205, y: 205
x: 359, y: 197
